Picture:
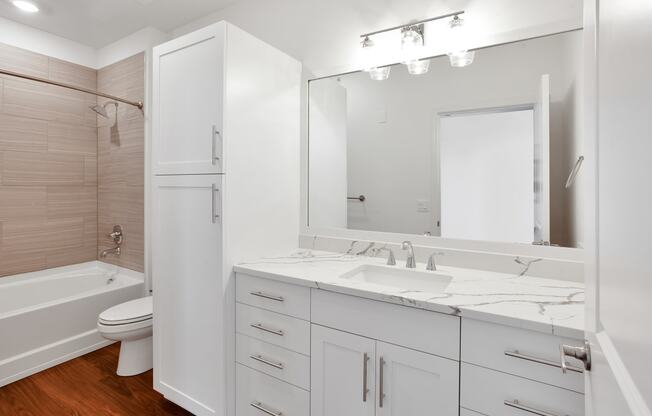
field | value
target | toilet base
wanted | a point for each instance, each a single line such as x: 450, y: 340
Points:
x: 135, y: 357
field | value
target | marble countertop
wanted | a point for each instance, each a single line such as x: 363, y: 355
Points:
x: 519, y: 300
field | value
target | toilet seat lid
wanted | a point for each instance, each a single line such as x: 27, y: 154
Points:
x: 132, y: 311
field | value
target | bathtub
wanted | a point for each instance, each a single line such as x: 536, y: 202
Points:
x: 50, y: 316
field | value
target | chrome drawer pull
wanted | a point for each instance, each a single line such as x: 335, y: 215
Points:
x: 516, y: 405
x: 365, y: 365
x: 264, y: 360
x: 543, y: 361
x: 381, y: 394
x: 262, y: 327
x: 264, y: 409
x: 266, y: 296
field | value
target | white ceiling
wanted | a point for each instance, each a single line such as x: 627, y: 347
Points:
x: 98, y: 23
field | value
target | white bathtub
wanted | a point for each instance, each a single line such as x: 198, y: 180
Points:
x: 50, y: 316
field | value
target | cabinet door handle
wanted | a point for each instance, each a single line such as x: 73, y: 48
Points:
x: 267, y: 361
x: 516, y: 354
x: 215, y: 193
x: 267, y: 296
x: 265, y: 409
x: 516, y: 405
x: 262, y: 327
x: 214, y: 135
x: 365, y: 365
x: 381, y: 382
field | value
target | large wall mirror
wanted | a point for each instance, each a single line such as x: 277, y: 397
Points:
x: 481, y: 152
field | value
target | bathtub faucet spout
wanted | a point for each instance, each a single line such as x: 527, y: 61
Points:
x: 114, y: 250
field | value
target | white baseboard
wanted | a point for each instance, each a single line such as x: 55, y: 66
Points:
x: 39, y: 359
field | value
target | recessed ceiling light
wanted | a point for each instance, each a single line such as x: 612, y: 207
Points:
x: 26, y: 6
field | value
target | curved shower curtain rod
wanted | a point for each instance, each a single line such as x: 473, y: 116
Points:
x: 138, y: 104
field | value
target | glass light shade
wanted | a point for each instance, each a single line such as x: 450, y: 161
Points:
x: 461, y: 59
x: 380, y: 74
x: 26, y: 6
x: 418, y: 67
x: 458, y: 38
x: 411, y: 45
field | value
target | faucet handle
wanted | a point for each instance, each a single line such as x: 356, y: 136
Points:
x: 431, y: 265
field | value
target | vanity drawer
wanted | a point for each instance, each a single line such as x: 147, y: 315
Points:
x: 275, y: 361
x: 430, y: 332
x: 274, y: 296
x: 529, y: 354
x: 272, y: 327
x: 258, y: 394
x: 494, y: 393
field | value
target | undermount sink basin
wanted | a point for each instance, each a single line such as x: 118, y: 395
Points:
x: 400, y: 278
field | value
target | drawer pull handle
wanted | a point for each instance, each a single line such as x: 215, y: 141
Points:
x: 516, y: 354
x: 381, y: 395
x: 266, y: 296
x: 265, y: 409
x: 269, y: 362
x: 262, y: 327
x: 365, y: 365
x: 516, y: 405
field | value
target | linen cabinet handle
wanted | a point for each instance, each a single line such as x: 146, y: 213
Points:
x: 267, y: 296
x: 365, y: 365
x: 215, y: 192
x: 214, y: 135
x: 265, y: 409
x: 517, y: 354
x: 262, y: 327
x: 381, y: 382
x: 516, y: 405
x: 269, y: 362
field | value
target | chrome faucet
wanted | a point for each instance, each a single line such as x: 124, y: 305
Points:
x: 366, y: 249
x: 410, y: 262
x: 431, y: 261
x: 117, y: 237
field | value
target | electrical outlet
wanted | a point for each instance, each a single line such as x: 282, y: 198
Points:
x: 423, y: 205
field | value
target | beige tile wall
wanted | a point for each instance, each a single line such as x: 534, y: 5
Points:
x: 65, y: 176
x: 121, y: 155
x: 48, y: 158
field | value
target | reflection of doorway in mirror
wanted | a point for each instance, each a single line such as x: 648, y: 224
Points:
x: 488, y: 174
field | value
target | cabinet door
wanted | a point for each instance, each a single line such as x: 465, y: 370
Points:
x: 414, y: 383
x: 187, y: 103
x: 342, y: 373
x: 187, y: 285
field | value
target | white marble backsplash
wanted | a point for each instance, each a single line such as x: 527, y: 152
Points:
x: 551, y: 268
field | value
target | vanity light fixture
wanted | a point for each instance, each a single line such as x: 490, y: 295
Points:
x: 412, y: 43
x: 459, y: 55
x: 26, y: 6
x: 368, y: 55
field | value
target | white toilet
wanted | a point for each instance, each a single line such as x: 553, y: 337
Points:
x: 130, y: 323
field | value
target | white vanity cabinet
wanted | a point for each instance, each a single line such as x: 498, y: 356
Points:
x: 373, y: 358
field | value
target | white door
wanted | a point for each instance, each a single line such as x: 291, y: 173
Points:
x: 187, y: 103
x: 542, y: 163
x: 414, y: 383
x: 187, y: 285
x: 619, y: 272
x: 342, y: 373
x: 487, y: 175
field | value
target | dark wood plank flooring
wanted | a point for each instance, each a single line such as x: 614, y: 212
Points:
x: 87, y: 385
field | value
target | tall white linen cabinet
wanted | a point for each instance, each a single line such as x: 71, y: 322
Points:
x: 225, y: 187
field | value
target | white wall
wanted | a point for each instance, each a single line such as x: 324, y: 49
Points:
x: 390, y: 161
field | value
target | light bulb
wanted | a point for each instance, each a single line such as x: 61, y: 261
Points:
x: 368, y: 54
x: 412, y: 43
x: 458, y: 53
x: 380, y: 74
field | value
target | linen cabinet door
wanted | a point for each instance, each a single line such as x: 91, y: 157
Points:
x: 188, y: 103
x: 342, y: 373
x: 187, y: 290
x: 410, y: 382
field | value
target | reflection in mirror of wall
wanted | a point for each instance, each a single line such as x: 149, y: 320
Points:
x: 481, y: 152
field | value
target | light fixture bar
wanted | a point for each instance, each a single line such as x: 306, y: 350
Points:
x: 443, y: 16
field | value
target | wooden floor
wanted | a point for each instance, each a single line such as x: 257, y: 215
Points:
x: 87, y: 385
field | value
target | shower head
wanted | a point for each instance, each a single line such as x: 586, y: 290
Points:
x: 101, y: 109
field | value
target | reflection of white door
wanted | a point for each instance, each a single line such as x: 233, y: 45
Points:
x: 542, y: 163
x: 328, y: 169
x: 619, y: 273
x: 487, y: 175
